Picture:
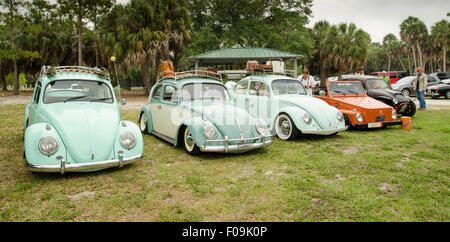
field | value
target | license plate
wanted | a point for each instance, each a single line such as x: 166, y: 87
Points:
x: 375, y: 125
x: 380, y: 118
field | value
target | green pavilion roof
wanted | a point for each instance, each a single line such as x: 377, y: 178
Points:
x: 236, y: 54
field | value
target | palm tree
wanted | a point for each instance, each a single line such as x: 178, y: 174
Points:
x: 351, y: 47
x: 413, y: 31
x: 440, y: 32
x: 389, y: 42
x: 323, y: 42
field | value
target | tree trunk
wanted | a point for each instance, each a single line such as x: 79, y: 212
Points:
x: 340, y: 71
x: 80, y: 40
x: 323, y: 74
x: 401, y: 62
x: 146, y: 76
x: 444, y: 61
x: 389, y: 63
x: 414, y: 58
x: 96, y: 44
x: 13, y: 47
x: 420, y: 54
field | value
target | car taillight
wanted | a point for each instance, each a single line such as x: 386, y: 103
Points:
x: 437, y: 89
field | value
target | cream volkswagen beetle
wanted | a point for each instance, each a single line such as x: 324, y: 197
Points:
x: 194, y: 109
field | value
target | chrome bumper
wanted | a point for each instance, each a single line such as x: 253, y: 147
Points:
x: 325, y: 131
x: 64, y: 167
x: 265, y: 141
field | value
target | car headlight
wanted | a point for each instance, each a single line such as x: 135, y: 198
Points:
x: 210, y: 132
x: 307, y: 118
x: 394, y: 114
x: 127, y: 140
x: 359, y: 118
x: 48, y: 145
x: 340, y: 116
x: 395, y: 101
x: 261, y: 127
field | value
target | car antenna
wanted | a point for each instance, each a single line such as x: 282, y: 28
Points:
x: 113, y: 59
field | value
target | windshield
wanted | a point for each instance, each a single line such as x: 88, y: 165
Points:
x: 344, y: 88
x: 283, y: 87
x: 406, y: 80
x: 77, y: 90
x: 204, y: 91
x: 377, y: 84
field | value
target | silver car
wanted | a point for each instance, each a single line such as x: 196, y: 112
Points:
x: 406, y: 85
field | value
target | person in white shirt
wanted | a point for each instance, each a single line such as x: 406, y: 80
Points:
x: 307, y: 81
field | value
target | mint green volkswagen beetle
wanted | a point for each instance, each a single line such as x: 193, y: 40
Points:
x: 283, y: 103
x: 195, y: 110
x: 73, y: 123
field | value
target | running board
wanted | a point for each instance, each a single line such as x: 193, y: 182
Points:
x: 170, y: 140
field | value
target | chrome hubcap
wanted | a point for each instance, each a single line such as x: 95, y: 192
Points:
x: 189, y: 140
x: 405, y: 93
x: 284, y: 127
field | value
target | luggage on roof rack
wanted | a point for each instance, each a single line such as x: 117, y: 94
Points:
x: 49, y: 70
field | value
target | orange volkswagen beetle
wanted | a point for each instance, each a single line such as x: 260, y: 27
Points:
x: 360, y: 110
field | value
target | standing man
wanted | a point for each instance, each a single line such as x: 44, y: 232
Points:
x: 420, y: 85
x: 307, y: 81
x: 386, y: 78
x: 360, y: 72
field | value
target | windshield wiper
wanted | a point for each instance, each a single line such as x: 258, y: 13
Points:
x: 101, y: 99
x: 336, y: 91
x: 74, y: 98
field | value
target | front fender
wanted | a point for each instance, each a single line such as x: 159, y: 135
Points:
x: 27, y: 114
x: 33, y: 134
x: 195, y: 124
x: 134, y: 129
x: 296, y: 115
x: 146, y: 111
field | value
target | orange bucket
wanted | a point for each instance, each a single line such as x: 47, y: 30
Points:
x: 406, y: 123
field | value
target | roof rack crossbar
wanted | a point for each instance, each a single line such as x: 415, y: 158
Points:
x: 49, y: 70
x: 191, y: 73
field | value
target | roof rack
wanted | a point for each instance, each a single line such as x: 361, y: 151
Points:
x: 49, y: 70
x: 191, y: 73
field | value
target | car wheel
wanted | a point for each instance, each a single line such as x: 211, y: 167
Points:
x: 189, y: 144
x: 285, y: 127
x: 405, y: 92
x: 143, y: 123
x: 447, y: 95
x: 411, y: 110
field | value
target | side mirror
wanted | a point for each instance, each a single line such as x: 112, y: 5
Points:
x: 322, y: 93
x: 123, y: 102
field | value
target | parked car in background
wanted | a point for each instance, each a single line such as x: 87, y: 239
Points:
x: 394, y: 76
x: 194, y: 109
x: 406, y: 85
x: 360, y: 110
x: 378, y: 89
x: 282, y: 102
x: 440, y: 90
x: 73, y: 123
x: 442, y: 77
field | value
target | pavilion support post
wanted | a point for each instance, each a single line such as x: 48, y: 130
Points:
x: 295, y: 68
x: 196, y: 66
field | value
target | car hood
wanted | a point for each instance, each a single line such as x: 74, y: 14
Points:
x: 230, y: 120
x: 88, y: 130
x: 319, y: 109
x: 374, y: 93
x: 363, y: 102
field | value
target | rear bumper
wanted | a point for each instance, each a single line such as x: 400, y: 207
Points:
x: 242, y: 146
x: 324, y: 132
x: 385, y: 124
x: 63, y: 167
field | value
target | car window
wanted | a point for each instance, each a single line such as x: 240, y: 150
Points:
x: 241, y: 88
x: 376, y: 84
x: 284, y: 87
x: 157, y: 93
x: 170, y: 94
x: 431, y: 79
x: 406, y: 80
x: 444, y: 75
x: 77, y: 90
x: 37, y: 93
x: 199, y: 91
x: 393, y: 75
x: 258, y: 89
x: 339, y: 88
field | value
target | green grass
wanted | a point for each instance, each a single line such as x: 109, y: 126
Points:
x: 379, y: 175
